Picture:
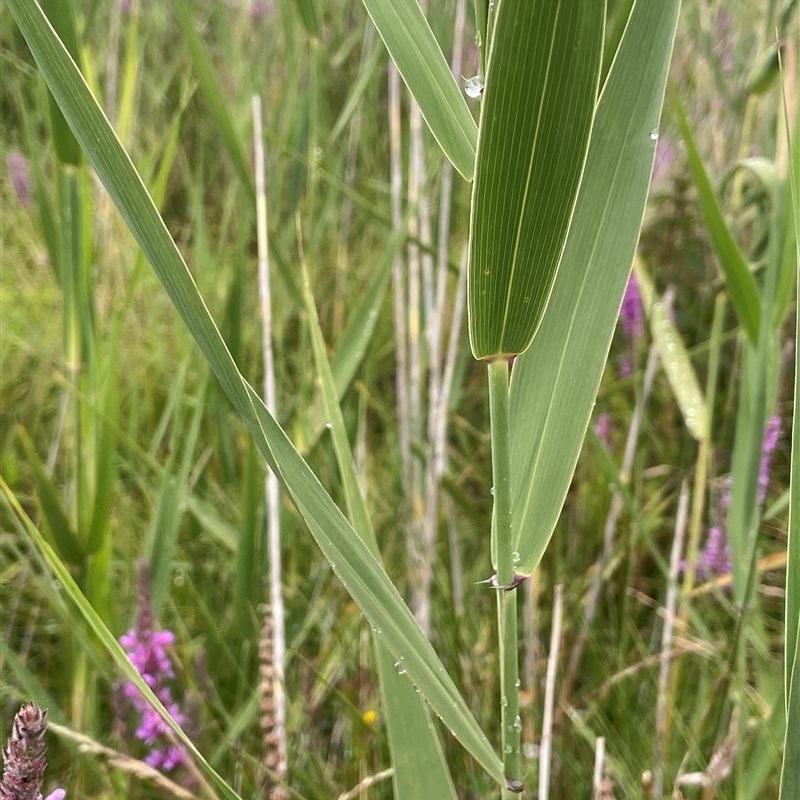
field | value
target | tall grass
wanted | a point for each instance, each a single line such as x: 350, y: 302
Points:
x: 119, y: 443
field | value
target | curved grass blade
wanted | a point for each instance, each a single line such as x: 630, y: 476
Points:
x: 739, y: 280
x: 538, y: 108
x: 358, y: 569
x: 555, y: 382
x: 111, y: 645
x: 420, y: 61
x: 677, y: 364
x: 419, y: 766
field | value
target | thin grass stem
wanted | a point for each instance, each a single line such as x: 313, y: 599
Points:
x: 666, y: 642
x: 549, y: 695
x: 271, y: 480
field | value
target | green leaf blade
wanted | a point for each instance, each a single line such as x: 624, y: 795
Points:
x: 539, y: 102
x: 419, y: 59
x: 553, y: 388
x: 741, y: 285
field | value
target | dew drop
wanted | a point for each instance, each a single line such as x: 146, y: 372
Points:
x: 654, y: 134
x: 473, y: 87
x: 328, y: 424
x: 507, y: 748
x: 317, y: 153
x: 515, y: 557
x: 517, y: 683
x: 504, y: 701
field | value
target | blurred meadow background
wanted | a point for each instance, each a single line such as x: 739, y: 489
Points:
x: 121, y: 446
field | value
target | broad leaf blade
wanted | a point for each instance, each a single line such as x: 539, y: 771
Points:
x: 555, y: 382
x: 739, y: 280
x: 357, y: 567
x: 539, y: 103
x: 420, y: 61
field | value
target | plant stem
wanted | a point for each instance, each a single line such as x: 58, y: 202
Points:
x: 504, y: 562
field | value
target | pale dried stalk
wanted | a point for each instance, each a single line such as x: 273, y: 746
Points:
x: 420, y: 550
x: 549, y: 695
x: 681, y: 519
x: 123, y: 762
x: 438, y: 392
x: 398, y: 278
x: 366, y: 783
x: 599, y: 758
x: 271, y: 480
x: 610, y: 526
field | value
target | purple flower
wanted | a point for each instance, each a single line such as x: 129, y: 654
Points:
x: 602, y: 427
x: 715, y: 557
x: 20, y: 176
x: 630, y: 315
x: 146, y: 649
x: 56, y: 794
x: 771, y: 435
x: 625, y: 366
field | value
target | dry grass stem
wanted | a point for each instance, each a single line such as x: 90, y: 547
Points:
x: 277, y: 632
x: 549, y: 696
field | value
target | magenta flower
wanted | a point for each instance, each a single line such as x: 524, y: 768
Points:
x: 146, y: 649
x: 602, y: 427
x: 771, y: 435
x: 630, y: 315
x: 715, y: 557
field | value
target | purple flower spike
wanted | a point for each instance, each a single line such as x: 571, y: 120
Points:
x: 630, y: 315
x: 715, y: 559
x: 147, y: 650
x: 771, y: 434
x: 603, y: 429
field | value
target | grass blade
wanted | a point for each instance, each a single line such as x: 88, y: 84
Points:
x: 420, y: 60
x: 419, y: 766
x: 738, y: 278
x: 583, y: 309
x: 539, y: 103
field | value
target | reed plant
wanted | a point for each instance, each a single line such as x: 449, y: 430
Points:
x: 539, y: 175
